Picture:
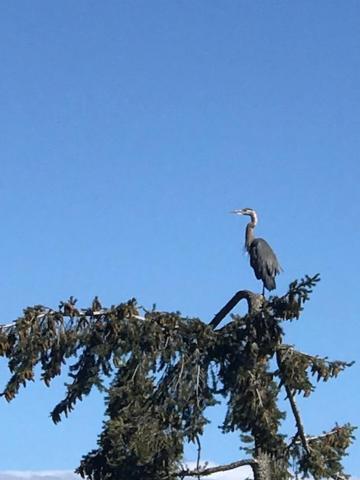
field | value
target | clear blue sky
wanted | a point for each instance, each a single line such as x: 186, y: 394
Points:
x: 129, y: 129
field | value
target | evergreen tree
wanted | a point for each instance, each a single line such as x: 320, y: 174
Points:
x: 166, y: 370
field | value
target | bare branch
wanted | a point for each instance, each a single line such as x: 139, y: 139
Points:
x: 298, y: 420
x: 296, y: 413
x: 254, y: 302
x: 198, y: 453
x: 220, y: 468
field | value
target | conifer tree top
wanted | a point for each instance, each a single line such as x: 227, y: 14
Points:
x: 167, y: 370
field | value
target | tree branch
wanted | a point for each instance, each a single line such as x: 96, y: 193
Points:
x: 313, y: 438
x: 296, y: 413
x: 290, y: 349
x: 298, y: 420
x: 198, y: 453
x: 82, y: 312
x: 219, y: 468
x: 254, y: 302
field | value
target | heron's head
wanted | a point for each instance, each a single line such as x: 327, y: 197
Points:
x: 246, y: 211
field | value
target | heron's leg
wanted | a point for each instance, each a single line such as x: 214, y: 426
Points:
x: 263, y: 292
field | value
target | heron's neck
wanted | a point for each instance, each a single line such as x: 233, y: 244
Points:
x: 249, y: 235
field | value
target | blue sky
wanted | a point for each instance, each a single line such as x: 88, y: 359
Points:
x: 129, y: 130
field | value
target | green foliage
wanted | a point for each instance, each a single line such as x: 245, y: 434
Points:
x: 296, y: 368
x: 139, y: 440
x: 166, y: 370
x: 242, y: 353
x: 327, y: 451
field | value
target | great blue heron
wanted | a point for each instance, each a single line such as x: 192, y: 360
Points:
x: 262, y: 258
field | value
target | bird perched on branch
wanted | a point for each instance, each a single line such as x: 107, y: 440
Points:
x: 96, y: 305
x: 262, y: 258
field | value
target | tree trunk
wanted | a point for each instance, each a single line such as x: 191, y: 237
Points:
x: 262, y: 468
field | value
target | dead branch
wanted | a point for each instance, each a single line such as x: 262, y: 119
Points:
x: 220, y: 468
x: 254, y: 302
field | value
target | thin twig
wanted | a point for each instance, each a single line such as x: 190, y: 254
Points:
x: 135, y: 372
x: 181, y: 372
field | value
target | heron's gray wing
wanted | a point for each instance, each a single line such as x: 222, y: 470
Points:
x: 264, y: 262
x: 272, y: 265
x: 255, y: 260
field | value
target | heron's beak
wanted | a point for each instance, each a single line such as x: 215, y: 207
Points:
x: 237, y: 212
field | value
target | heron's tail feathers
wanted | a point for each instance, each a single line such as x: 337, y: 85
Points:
x: 269, y: 282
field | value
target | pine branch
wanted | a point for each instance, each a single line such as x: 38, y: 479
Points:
x: 296, y: 367
x: 81, y: 312
x: 295, y: 440
x: 311, y: 358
